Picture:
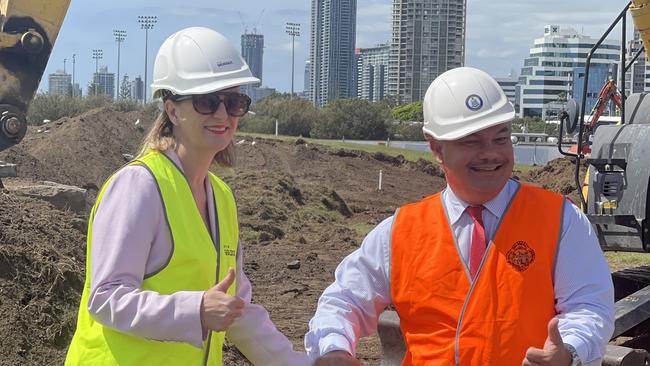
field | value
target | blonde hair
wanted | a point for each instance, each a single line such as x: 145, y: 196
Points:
x: 161, y: 138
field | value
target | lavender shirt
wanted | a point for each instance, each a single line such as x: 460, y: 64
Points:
x: 130, y: 240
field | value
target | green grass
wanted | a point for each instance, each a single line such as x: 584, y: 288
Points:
x: 524, y: 168
x: 362, y: 229
x: 337, y: 144
x: 621, y: 260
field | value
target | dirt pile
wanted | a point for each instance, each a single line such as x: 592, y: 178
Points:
x: 558, y: 176
x: 80, y: 151
x: 41, y: 276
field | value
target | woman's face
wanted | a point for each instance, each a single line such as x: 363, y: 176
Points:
x: 202, y: 133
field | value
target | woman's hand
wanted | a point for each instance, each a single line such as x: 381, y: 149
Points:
x: 218, y: 309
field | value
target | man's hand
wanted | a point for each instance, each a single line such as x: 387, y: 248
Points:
x: 554, y: 352
x: 218, y: 309
x: 337, y: 358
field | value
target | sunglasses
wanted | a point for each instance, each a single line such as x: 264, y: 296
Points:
x: 236, y: 104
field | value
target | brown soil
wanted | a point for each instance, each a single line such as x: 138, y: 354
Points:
x: 558, y: 176
x: 41, y: 274
x: 296, y: 201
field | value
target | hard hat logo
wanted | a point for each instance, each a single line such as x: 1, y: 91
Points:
x: 224, y: 63
x: 474, y: 102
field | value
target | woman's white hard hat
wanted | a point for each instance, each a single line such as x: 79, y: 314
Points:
x: 198, y: 60
x: 463, y: 101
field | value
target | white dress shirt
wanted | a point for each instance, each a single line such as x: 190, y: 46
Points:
x: 130, y: 240
x: 349, y: 308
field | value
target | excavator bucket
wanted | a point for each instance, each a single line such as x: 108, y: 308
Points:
x: 28, y: 29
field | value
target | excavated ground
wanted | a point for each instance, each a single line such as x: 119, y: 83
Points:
x: 296, y: 201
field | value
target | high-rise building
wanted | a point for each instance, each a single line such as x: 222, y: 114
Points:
x: 60, y: 83
x: 428, y: 39
x: 333, y: 33
x: 509, y: 86
x: 598, y: 76
x: 305, y: 91
x: 137, y: 88
x: 252, y: 50
x: 547, y: 76
x: 372, y: 78
x: 105, y: 82
x: 637, y: 78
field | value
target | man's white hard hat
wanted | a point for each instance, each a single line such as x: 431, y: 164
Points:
x: 463, y: 101
x: 198, y: 60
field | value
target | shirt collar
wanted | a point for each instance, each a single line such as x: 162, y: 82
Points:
x: 496, y: 206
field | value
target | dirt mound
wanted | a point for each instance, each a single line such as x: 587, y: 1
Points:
x: 558, y: 176
x: 41, y: 276
x: 80, y: 151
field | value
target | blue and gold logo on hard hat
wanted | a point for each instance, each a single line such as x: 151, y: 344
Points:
x: 474, y: 102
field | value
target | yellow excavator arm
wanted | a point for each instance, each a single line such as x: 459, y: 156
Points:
x: 28, y: 30
x: 640, y: 10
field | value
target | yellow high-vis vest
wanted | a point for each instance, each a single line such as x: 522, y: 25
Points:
x: 195, y: 264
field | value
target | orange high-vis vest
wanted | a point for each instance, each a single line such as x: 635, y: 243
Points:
x: 448, y: 319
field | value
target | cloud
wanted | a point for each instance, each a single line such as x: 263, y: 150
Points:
x: 494, y: 53
x: 499, y: 32
x: 373, y: 22
x: 284, y: 46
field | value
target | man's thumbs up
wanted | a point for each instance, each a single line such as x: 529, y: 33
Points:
x: 554, y: 339
x: 554, y: 352
x: 218, y: 309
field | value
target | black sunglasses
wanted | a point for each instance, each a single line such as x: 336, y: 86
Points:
x: 236, y: 104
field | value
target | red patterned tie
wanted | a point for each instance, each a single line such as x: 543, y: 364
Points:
x: 478, y: 239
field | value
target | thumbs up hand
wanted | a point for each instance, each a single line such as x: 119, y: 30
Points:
x: 218, y: 309
x: 554, y: 352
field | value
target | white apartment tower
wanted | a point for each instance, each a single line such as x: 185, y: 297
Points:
x: 547, y: 75
x: 428, y: 39
x: 333, y: 33
x: 372, y: 78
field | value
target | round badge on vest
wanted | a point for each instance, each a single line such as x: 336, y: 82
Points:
x: 474, y: 102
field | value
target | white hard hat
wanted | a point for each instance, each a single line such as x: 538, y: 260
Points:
x: 198, y: 60
x: 463, y: 101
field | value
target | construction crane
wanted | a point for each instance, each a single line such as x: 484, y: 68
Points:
x: 255, y: 25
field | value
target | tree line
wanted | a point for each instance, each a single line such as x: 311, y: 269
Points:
x: 354, y: 119
x: 51, y: 107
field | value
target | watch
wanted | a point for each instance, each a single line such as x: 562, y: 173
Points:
x: 575, y: 359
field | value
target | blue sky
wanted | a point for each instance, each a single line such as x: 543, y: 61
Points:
x: 499, y: 32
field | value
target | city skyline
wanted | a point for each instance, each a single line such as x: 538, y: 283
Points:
x: 498, y: 35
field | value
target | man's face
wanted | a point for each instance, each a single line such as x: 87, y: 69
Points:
x: 479, y: 165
